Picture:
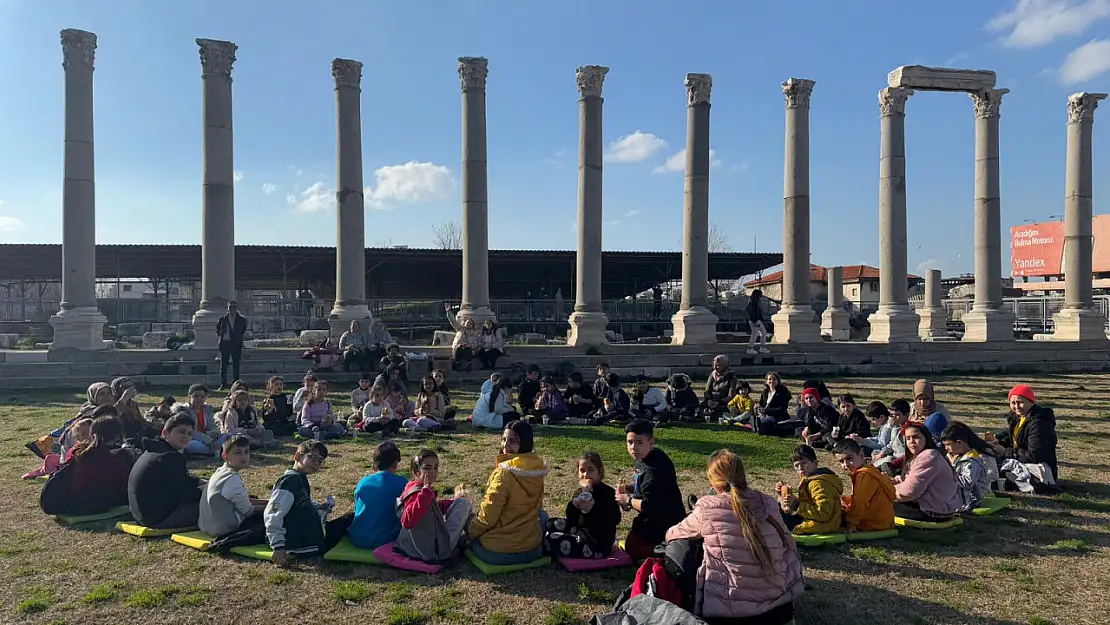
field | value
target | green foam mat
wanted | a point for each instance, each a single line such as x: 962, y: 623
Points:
x: 819, y: 540
x: 929, y: 525
x: 346, y: 552
x: 858, y: 537
x: 258, y: 552
x: 991, y: 505
x: 77, y: 519
x: 499, y: 569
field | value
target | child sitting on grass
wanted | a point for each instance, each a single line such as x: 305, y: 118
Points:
x: 161, y: 411
x: 549, y: 403
x: 304, y: 392
x: 578, y: 398
x: 430, y: 529
x: 870, y: 507
x: 205, y: 427
x: 428, y: 409
x: 616, y: 405
x: 277, y: 410
x: 360, y: 395
x: 529, y: 390
x: 653, y: 493
x: 239, y: 417
x: 375, y: 522
x: 682, y: 400
x: 815, y: 508
x: 94, y: 477
x: 400, y: 408
x: 376, y: 415
x: 317, y: 418
x: 889, y: 459
x: 648, y: 402
x: 227, y: 506
x: 974, y: 463
x: 927, y: 489
x: 160, y: 490
x: 80, y: 431
x: 879, y: 418
x: 297, y: 526
x: 741, y: 408
x: 592, y: 516
x: 852, y: 422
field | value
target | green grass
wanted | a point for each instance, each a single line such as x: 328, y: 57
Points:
x: 101, y: 593
x: 1036, y: 620
x: 399, y: 592
x: 194, y: 598
x: 877, y: 555
x: 350, y: 590
x: 500, y: 618
x: 146, y: 599
x: 563, y: 614
x: 404, y: 615
x: 38, y: 599
x: 1073, y: 544
x: 586, y: 593
x: 280, y: 578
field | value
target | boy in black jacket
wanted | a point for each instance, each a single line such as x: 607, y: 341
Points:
x: 295, y: 524
x: 529, y: 390
x: 820, y: 419
x: 160, y: 491
x: 654, y: 492
x: 579, y: 399
x: 852, y: 422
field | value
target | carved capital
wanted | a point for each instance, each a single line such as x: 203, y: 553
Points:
x: 1082, y: 105
x: 590, y: 79
x: 216, y: 58
x: 472, y: 72
x: 78, y: 46
x: 988, y: 102
x: 892, y: 100
x: 347, y: 73
x: 797, y: 92
x: 698, y: 88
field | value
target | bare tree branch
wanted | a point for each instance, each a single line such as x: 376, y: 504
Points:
x: 718, y: 239
x: 447, y: 235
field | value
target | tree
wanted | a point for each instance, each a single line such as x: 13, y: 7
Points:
x: 718, y: 239
x: 447, y: 235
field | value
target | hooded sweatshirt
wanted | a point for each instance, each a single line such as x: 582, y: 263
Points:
x: 819, y: 503
x: 931, y: 482
x: 159, y: 482
x: 507, y: 520
x: 871, y: 506
x: 973, y: 479
x: 423, y: 535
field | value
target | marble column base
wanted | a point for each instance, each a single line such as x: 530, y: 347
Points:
x: 341, y: 316
x: 834, y: 324
x: 933, y: 325
x: 1079, y: 324
x: 587, y: 328
x: 80, y: 329
x: 894, y: 325
x: 479, y: 315
x: 795, y: 324
x: 694, y: 326
x: 204, y: 329
x: 988, y: 324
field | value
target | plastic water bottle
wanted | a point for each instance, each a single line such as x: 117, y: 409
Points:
x: 316, y: 434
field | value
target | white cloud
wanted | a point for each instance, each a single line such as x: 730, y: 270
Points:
x: 411, y: 183
x: 10, y: 224
x: 1034, y: 23
x: 1087, y: 61
x: 677, y: 162
x: 238, y: 176
x: 317, y: 198
x: 631, y: 213
x: 633, y: 148
x: 268, y: 188
x: 557, y: 158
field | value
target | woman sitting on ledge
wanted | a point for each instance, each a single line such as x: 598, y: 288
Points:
x: 354, y: 349
x: 377, y: 341
x: 465, y: 343
x: 491, y: 345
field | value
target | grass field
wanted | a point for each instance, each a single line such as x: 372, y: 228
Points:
x: 1044, y: 561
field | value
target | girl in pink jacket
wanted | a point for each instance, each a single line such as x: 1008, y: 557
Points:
x: 751, y: 566
x: 927, y: 489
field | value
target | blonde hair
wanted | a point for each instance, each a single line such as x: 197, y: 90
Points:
x: 726, y: 473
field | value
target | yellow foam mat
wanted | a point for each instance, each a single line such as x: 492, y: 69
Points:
x: 258, y: 552
x: 149, y: 532
x: 857, y: 537
x: 819, y: 540
x: 77, y: 519
x: 346, y: 552
x: 929, y: 525
x: 195, y: 540
x: 992, y: 505
x: 498, y: 569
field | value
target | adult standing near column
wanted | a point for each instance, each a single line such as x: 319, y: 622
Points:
x: 350, y: 252
x: 218, y: 233
x: 894, y: 321
x: 231, y: 328
x: 1079, y: 320
x: 694, y: 323
x: 475, y: 242
x: 794, y: 323
x: 588, y: 322
x: 987, y: 320
x: 78, y: 324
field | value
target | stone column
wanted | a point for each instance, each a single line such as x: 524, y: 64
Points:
x: 894, y: 321
x: 694, y: 323
x: 934, y: 318
x: 587, y: 323
x: 475, y: 221
x: 78, y: 324
x: 834, y: 321
x: 350, y: 245
x: 987, y: 320
x: 218, y: 208
x: 1079, y: 320
x: 794, y: 321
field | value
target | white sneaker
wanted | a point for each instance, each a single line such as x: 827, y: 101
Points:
x: 764, y: 350
x: 752, y: 352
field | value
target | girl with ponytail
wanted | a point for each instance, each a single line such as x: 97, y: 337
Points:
x: 751, y: 566
x: 94, y: 479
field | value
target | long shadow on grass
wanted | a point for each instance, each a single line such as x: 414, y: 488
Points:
x: 835, y: 602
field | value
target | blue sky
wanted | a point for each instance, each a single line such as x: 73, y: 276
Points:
x: 148, y: 115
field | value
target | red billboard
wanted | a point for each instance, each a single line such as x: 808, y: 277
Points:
x: 1038, y: 249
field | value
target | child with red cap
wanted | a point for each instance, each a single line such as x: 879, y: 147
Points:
x: 1030, y: 436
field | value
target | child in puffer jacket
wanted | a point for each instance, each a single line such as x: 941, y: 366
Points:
x: 815, y: 509
x: 973, y: 460
x: 430, y: 529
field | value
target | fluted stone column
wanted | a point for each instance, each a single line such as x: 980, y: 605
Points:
x: 694, y: 323
x: 475, y: 221
x: 894, y: 321
x: 934, y: 318
x: 794, y: 321
x: 987, y: 320
x: 350, y: 252
x: 1079, y: 320
x: 834, y: 321
x: 78, y: 324
x: 218, y: 234
x: 588, y: 321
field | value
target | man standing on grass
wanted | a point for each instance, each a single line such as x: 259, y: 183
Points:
x: 231, y: 328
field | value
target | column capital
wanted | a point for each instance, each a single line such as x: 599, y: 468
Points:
x: 1082, y: 105
x: 892, y: 100
x: 988, y: 102
x: 698, y: 88
x: 78, y: 46
x: 798, y: 92
x: 590, y: 79
x: 472, y: 72
x: 216, y: 57
x: 346, y: 72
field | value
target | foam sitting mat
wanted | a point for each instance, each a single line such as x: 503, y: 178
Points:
x: 616, y: 558
x: 194, y: 540
x: 820, y: 540
x: 41, y: 478
x: 389, y: 557
x: 347, y: 552
x: 991, y: 505
x: 107, y: 515
x: 929, y: 525
x: 149, y: 532
x: 859, y: 537
x: 258, y: 552
x: 498, y: 569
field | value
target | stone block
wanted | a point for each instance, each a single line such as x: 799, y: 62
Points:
x: 308, y: 338
x: 176, y: 328
x: 795, y: 325
x: 695, y: 326
x: 923, y: 78
x: 443, y: 337
x: 8, y: 341
x: 156, y: 340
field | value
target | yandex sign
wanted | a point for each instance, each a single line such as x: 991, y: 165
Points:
x: 1038, y: 249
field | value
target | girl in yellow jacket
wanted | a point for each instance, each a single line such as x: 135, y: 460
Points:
x: 815, y: 509
x: 508, y: 526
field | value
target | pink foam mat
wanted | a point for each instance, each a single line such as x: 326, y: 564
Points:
x: 616, y: 558
x: 387, y: 555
